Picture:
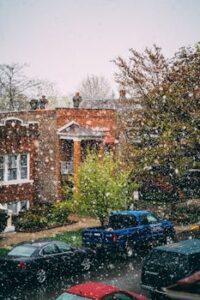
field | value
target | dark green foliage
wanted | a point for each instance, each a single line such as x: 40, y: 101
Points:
x: 3, y: 219
x: 60, y: 212
x: 187, y: 214
x: 68, y: 188
x: 31, y: 222
x: 3, y: 251
x: 43, y: 216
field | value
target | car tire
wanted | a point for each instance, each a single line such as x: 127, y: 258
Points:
x: 86, y: 264
x: 41, y: 276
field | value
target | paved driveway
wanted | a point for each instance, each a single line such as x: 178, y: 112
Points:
x: 12, y: 238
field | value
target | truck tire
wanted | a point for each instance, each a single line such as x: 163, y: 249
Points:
x: 170, y: 238
x: 129, y: 250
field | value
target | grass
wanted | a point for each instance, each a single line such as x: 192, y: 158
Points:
x: 71, y: 237
x: 3, y: 251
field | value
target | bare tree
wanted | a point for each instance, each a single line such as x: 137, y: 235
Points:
x: 95, y: 88
x: 13, y: 85
x: 49, y: 89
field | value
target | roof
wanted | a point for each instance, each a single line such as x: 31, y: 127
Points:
x: 115, y: 104
x: 184, y: 247
x: 131, y: 212
x: 36, y: 243
x: 93, y: 290
x: 99, y: 104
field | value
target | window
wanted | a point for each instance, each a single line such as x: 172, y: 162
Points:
x: 69, y: 296
x: 149, y: 219
x: 63, y: 247
x: 50, y: 249
x: 16, y: 207
x: 121, y: 221
x: 1, y: 168
x: 24, y: 166
x: 22, y: 251
x: 14, y: 167
x: 152, y: 219
x: 119, y: 296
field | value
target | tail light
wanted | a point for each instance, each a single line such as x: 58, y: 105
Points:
x: 114, y: 237
x: 22, y: 265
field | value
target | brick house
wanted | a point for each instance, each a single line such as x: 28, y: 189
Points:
x: 39, y: 149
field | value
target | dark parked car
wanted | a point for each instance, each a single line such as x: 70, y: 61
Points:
x: 165, y: 265
x: 98, y: 291
x: 38, y: 259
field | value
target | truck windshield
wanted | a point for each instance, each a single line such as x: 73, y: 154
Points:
x: 121, y: 221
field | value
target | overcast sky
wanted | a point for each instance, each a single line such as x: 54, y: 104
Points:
x: 65, y: 40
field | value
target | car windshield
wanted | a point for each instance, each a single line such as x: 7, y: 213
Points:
x: 68, y: 296
x: 121, y: 221
x: 22, y: 251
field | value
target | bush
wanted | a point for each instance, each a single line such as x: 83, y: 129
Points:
x: 3, y: 219
x: 187, y: 215
x: 43, y: 215
x: 60, y: 212
x: 30, y: 221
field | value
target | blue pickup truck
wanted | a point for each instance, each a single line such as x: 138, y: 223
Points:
x: 129, y: 230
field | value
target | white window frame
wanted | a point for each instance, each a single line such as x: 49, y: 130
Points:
x: 18, y: 180
x: 18, y: 206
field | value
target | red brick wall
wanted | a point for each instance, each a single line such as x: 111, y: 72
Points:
x: 44, y: 149
x: 18, y: 138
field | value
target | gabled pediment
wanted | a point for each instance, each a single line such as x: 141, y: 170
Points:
x: 69, y: 127
x: 73, y: 130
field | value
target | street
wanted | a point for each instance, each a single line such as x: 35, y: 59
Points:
x: 114, y: 271
x: 119, y: 272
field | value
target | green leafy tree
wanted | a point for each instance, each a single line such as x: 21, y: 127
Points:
x: 104, y: 187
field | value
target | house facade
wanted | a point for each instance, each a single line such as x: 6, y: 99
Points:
x: 41, y: 149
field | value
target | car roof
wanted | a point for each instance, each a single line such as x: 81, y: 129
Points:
x: 131, y: 212
x: 93, y: 290
x: 184, y: 247
x: 37, y: 243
